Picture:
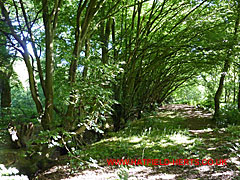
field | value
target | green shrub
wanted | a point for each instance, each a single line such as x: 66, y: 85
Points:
x: 229, y: 115
x: 208, y: 104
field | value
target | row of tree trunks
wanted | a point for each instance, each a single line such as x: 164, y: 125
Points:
x: 226, y: 67
x: 83, y: 23
x: 86, y: 12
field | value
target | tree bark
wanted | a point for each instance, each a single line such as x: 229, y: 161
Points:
x: 234, y: 84
x: 5, y: 88
x: 220, y: 88
x: 6, y: 95
x: 50, y: 24
x: 117, y: 116
x: 105, y: 33
x: 238, y: 91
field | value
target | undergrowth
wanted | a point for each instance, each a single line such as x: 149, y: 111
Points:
x: 154, y: 136
x: 229, y: 115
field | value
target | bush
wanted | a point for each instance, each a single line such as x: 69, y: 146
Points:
x: 229, y: 115
x: 208, y: 104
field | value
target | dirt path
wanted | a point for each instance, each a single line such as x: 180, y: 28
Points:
x: 195, y: 118
x: 217, y: 143
x: 213, y: 143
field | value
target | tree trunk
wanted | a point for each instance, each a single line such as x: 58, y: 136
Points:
x: 234, y: 84
x: 87, y: 53
x: 5, y: 74
x: 117, y: 116
x: 5, y: 96
x: 105, y: 33
x: 50, y: 24
x: 220, y: 88
x: 239, y: 91
x: 48, y: 114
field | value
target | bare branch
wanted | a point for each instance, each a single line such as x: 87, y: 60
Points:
x: 18, y: 19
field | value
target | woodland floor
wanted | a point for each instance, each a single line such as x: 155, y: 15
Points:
x: 172, y: 132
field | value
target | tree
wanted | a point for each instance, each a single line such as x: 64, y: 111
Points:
x: 23, y: 20
x: 227, y: 61
x: 159, y: 44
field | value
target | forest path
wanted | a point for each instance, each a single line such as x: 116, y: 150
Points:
x: 171, y: 132
x: 195, y: 118
x: 215, y: 143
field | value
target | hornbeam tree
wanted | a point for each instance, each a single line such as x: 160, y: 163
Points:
x: 33, y: 27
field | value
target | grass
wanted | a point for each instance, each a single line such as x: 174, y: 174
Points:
x: 166, y: 135
x: 151, y: 137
